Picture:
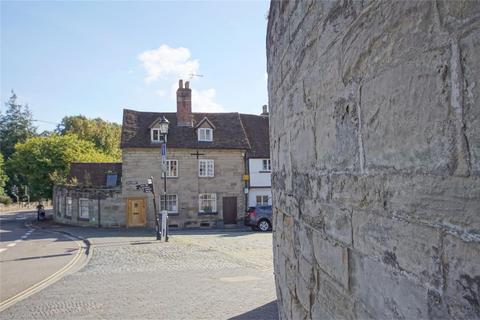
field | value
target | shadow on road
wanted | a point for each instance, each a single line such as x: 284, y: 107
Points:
x: 268, y: 311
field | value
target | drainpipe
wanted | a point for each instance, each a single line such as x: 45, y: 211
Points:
x: 246, y: 183
x: 99, y: 212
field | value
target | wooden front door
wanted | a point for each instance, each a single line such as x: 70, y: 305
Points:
x: 229, y: 210
x: 136, y: 216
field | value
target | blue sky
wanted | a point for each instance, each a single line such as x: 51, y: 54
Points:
x: 97, y: 57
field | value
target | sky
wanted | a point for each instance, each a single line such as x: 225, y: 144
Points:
x: 96, y: 58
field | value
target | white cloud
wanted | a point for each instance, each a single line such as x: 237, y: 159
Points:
x: 166, y: 62
x: 204, y: 101
x: 160, y: 93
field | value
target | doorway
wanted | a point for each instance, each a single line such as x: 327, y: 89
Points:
x: 136, y: 216
x: 229, y: 210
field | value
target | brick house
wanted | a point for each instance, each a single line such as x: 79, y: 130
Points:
x: 207, y: 155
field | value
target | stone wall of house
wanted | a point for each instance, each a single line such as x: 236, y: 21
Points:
x: 140, y: 164
x: 375, y: 140
x: 105, y: 206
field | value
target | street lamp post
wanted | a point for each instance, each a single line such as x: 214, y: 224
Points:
x: 164, y: 132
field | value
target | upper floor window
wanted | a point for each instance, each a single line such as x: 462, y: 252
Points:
x: 206, y: 168
x: 205, y: 134
x: 157, y: 136
x: 172, y: 168
x: 266, y: 165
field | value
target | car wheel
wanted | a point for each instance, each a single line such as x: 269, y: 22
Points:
x: 263, y: 225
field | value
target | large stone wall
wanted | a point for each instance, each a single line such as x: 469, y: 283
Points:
x: 375, y: 143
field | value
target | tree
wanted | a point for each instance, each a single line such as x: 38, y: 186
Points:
x: 15, y: 126
x: 3, y: 176
x: 105, y: 135
x: 40, y: 160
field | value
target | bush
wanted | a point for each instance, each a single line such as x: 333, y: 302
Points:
x: 6, y: 200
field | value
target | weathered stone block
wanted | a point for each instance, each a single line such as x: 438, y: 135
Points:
x: 420, y: 118
x: 331, y: 258
x: 404, y: 246
x: 469, y: 48
x: 462, y: 272
x: 385, y: 293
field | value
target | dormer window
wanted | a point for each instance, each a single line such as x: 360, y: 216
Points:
x: 159, y: 130
x: 205, y: 134
x: 157, y: 136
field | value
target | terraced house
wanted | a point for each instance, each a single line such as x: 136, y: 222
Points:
x: 207, y: 153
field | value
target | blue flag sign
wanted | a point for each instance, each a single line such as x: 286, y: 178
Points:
x: 164, y: 152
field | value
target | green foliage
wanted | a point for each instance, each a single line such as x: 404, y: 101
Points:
x: 42, y: 161
x: 3, y: 176
x: 105, y: 135
x: 6, y: 200
x: 15, y: 126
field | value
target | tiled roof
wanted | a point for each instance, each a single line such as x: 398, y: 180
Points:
x: 94, y: 173
x: 256, y: 128
x: 228, y: 133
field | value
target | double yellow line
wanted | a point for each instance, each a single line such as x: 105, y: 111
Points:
x: 45, y: 282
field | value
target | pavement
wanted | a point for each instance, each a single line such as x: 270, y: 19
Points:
x: 198, y: 274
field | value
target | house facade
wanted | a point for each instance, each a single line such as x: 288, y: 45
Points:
x: 258, y: 159
x: 206, y: 165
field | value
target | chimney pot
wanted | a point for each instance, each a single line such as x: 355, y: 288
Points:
x: 264, y: 110
x: 180, y: 84
x: 187, y: 84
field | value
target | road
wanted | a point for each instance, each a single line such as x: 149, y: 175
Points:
x: 202, y: 274
x: 29, y: 256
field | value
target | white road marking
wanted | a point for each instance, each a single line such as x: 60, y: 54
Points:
x: 18, y: 240
x: 2, y: 249
x: 21, y: 218
x: 11, y: 244
x: 24, y: 237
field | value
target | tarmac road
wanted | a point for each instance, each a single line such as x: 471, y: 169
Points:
x: 30, y: 259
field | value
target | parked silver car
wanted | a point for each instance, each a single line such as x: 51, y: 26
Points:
x: 259, y: 218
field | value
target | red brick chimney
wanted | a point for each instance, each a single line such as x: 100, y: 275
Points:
x: 184, y: 104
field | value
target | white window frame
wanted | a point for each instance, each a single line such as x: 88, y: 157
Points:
x: 169, y: 200
x: 169, y: 168
x: 203, y: 136
x: 81, y: 214
x: 209, y: 170
x: 262, y: 201
x: 266, y: 165
x: 203, y: 197
x: 161, y: 137
x: 68, y: 207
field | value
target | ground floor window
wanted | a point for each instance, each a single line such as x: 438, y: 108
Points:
x: 207, y: 202
x: 172, y: 203
x: 83, y: 212
x: 68, y: 211
x: 262, y: 200
x: 59, y: 205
